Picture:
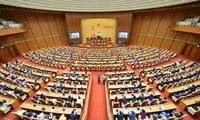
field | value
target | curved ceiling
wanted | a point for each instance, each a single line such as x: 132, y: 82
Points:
x: 92, y: 5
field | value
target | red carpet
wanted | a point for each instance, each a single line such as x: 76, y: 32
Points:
x: 97, y: 105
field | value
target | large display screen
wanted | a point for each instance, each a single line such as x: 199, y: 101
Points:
x: 74, y: 35
x: 123, y: 35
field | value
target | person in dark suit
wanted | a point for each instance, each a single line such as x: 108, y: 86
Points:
x: 132, y: 115
x: 73, y: 115
x: 29, y: 114
x: 120, y: 115
x: 124, y: 100
x: 70, y: 98
x: 43, y: 97
x: 99, y: 78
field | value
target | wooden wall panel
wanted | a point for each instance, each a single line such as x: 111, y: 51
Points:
x: 57, y: 40
x: 164, y: 23
x: 42, y: 43
x: 4, y: 54
x: 159, y: 34
x: 50, y: 42
x: 19, y: 16
x: 31, y: 18
x: 22, y: 47
x: 5, y: 40
x: 148, y: 40
x: 194, y: 38
x: 136, y: 27
x: 12, y: 51
x: 193, y: 51
x: 62, y: 28
x: 166, y: 44
x: 197, y: 55
x: 176, y: 46
x: 187, y: 49
x: 157, y: 15
x: 140, y: 40
x: 157, y: 42
x: 33, y: 45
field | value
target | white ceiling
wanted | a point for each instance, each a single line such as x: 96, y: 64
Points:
x: 93, y: 5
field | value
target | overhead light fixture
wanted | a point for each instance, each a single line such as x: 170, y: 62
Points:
x: 1, y: 46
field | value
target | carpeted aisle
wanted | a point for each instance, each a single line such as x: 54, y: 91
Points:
x: 97, y: 105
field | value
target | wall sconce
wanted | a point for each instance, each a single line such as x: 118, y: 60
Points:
x: 198, y: 45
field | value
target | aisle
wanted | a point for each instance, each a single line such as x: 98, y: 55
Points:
x: 97, y: 105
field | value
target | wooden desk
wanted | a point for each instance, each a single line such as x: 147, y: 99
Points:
x: 73, y: 78
x: 12, y: 101
x: 77, y: 72
x: 56, y: 95
x: 119, y: 73
x: 148, y: 109
x: 177, y: 89
x: 187, y: 102
x: 124, y: 86
x: 129, y: 96
x: 67, y: 85
x: 48, y: 109
x: 122, y: 78
x: 12, y: 86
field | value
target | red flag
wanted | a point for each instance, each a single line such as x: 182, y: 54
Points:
x: 93, y: 32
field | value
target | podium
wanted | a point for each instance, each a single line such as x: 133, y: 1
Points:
x: 98, y: 42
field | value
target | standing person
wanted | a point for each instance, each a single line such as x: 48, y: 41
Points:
x: 99, y: 78
x: 104, y: 79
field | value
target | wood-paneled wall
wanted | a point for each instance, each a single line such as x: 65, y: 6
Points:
x: 152, y: 28
x: 45, y: 29
x: 146, y: 27
x: 124, y: 19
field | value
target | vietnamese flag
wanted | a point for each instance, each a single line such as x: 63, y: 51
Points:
x: 93, y: 32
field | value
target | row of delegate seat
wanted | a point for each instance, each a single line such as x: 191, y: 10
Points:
x: 182, y: 85
x: 124, y: 96
x: 141, y: 56
x: 56, y: 57
x: 60, y: 98
x: 98, y: 59
x: 29, y: 67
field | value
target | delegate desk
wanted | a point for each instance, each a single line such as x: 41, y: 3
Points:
x: 77, y: 73
x: 12, y: 86
x: 51, y: 84
x: 73, y: 78
x: 148, y: 109
x: 122, y: 78
x: 129, y: 96
x: 119, y: 73
x: 12, y: 101
x: 180, y: 88
x: 53, y: 72
x: 124, y: 86
x: 187, y: 102
x: 49, y: 109
x: 57, y: 95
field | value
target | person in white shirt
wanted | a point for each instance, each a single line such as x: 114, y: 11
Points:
x: 80, y: 100
x: 41, y: 116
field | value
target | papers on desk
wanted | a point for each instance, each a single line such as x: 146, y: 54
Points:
x: 182, y: 88
x: 161, y: 107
